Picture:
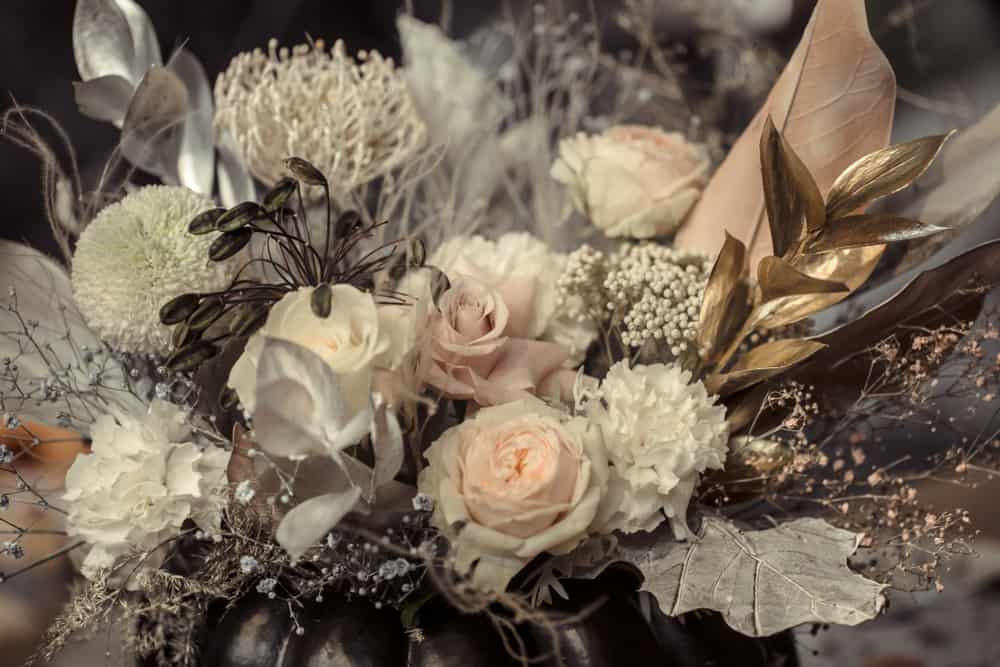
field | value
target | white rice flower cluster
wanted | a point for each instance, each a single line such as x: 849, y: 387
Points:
x: 354, y: 120
x: 581, y: 285
x: 134, y: 257
x: 658, y: 290
x: 652, y: 293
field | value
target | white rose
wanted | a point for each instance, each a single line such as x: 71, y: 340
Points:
x: 520, y: 258
x: 356, y: 338
x: 631, y: 180
x: 513, y: 482
x: 143, y: 478
x: 661, y: 430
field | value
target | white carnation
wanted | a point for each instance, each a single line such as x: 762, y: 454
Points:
x: 661, y: 430
x: 134, y: 257
x: 143, y: 478
x: 521, y: 255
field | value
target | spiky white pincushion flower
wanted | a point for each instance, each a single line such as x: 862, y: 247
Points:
x: 135, y: 256
x: 354, y: 120
x: 661, y: 430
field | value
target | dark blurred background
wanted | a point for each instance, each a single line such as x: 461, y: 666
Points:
x: 946, y: 55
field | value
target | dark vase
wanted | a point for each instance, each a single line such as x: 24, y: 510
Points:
x: 258, y: 632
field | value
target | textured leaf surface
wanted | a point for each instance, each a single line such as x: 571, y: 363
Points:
x: 833, y: 104
x: 763, y: 581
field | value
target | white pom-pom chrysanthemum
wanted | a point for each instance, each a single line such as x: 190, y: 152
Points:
x: 134, y: 257
x: 661, y: 430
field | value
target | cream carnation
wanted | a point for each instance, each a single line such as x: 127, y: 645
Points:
x: 513, y: 482
x: 661, y: 430
x: 632, y: 180
x: 134, y: 257
x: 142, y: 480
x: 519, y: 256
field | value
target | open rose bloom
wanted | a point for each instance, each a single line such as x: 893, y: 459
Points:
x: 513, y: 482
x: 631, y: 180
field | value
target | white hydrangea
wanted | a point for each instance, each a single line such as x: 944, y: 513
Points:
x: 661, y: 430
x: 521, y: 255
x: 134, y: 257
x: 141, y: 481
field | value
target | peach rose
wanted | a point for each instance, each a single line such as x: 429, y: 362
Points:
x: 482, y: 349
x: 515, y: 481
x: 632, y: 180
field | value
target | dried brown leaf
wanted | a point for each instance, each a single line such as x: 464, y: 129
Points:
x: 832, y: 104
x: 881, y: 173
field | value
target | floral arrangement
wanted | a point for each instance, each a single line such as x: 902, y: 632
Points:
x: 474, y: 328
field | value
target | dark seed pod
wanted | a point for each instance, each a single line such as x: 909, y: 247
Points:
x: 208, y: 312
x: 192, y: 356
x: 229, y: 244
x: 416, y: 253
x: 439, y: 284
x: 348, y: 223
x: 248, y: 320
x: 183, y: 335
x: 206, y: 223
x: 305, y: 171
x: 279, y: 194
x: 228, y: 398
x: 240, y: 216
x: 179, y: 308
x: 322, y: 301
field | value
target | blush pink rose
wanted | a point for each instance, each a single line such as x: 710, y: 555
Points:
x: 482, y: 347
x: 514, y: 481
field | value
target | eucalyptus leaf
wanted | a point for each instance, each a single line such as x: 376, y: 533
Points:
x: 880, y: 174
x: 762, y: 582
x: 102, y: 41
x: 763, y: 362
x: 307, y: 523
x: 777, y: 278
x: 105, y: 98
x: 196, y: 158
x: 235, y: 183
x: 725, y: 304
x: 387, y: 441
x: 151, y: 131
x: 145, y: 45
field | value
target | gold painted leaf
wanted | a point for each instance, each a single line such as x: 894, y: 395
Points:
x: 726, y: 301
x: 762, y: 363
x: 790, y: 194
x: 777, y: 278
x: 856, y: 231
x: 851, y: 267
x: 832, y: 104
x: 881, y: 173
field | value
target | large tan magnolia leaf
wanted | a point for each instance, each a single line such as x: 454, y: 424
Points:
x: 833, y: 103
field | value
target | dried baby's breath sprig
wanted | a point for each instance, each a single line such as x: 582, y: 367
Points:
x: 354, y: 121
